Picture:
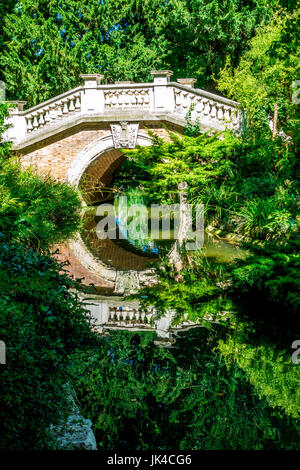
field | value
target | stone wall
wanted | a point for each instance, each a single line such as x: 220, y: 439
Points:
x: 54, y: 156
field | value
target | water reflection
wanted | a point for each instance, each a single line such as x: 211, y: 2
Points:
x: 126, y: 253
x: 186, y: 397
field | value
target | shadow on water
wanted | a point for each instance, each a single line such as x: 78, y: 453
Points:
x: 213, y: 388
x: 126, y: 254
x: 187, y: 397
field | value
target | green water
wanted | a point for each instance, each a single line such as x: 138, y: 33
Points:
x: 226, y: 387
x: 187, y: 397
x: 149, y: 249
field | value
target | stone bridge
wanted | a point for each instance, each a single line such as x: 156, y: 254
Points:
x: 79, y: 135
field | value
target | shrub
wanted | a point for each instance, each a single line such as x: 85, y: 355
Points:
x: 41, y: 323
x: 34, y: 209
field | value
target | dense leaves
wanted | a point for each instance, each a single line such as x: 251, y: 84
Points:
x: 49, y: 43
x: 41, y: 322
x: 144, y: 397
x: 266, y: 76
x: 34, y: 209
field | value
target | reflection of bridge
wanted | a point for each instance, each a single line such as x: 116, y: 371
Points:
x: 79, y: 135
x: 114, y: 313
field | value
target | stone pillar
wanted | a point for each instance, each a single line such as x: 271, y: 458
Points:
x: 163, y: 324
x: 184, y: 226
x: 92, y: 97
x: 18, y: 132
x: 163, y: 96
x: 187, y: 82
x: 99, y: 311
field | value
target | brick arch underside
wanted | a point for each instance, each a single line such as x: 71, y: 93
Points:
x: 95, y: 184
x: 97, y: 179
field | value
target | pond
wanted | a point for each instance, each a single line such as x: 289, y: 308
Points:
x: 126, y: 253
x: 186, y: 397
x: 222, y: 386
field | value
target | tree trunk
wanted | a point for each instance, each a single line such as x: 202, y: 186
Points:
x: 275, y: 120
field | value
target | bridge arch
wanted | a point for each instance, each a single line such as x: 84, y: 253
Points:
x: 92, y: 152
x: 100, y: 159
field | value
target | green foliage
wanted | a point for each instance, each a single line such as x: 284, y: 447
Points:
x: 246, y: 186
x: 4, y: 146
x: 35, y: 209
x: 197, y: 160
x: 271, y: 372
x: 41, y: 322
x: 192, y: 129
x: 266, y: 73
x: 196, y: 291
x: 48, y: 44
x: 144, y: 397
x: 271, y: 274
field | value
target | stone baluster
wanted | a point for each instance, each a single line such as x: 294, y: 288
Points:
x: 71, y: 105
x: 77, y: 102
x: 140, y: 100
x: 136, y: 319
x: 134, y: 98
x: 59, y: 110
x: 226, y: 113
x: 199, y: 106
x: 35, y: 121
x: 206, y: 110
x: 220, y: 112
x: 65, y: 107
x: 120, y: 98
x: 127, y: 98
x: 41, y: 119
x: 131, y: 315
x: 213, y: 112
x: 29, y: 124
x: 52, y: 112
x: 114, y: 99
x: 149, y: 316
x: 47, y: 115
x: 235, y: 118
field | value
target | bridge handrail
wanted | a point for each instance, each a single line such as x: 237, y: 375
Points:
x: 158, y: 97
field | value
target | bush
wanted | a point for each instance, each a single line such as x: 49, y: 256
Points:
x: 271, y: 372
x: 41, y: 323
x: 34, y: 209
x: 144, y: 397
x: 270, y: 275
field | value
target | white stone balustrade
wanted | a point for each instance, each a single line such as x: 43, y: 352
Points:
x: 159, y: 100
x: 53, y: 112
x: 129, y: 317
x: 110, y: 314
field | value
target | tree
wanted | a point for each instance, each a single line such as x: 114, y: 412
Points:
x: 263, y: 80
x: 41, y: 321
x: 49, y: 43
